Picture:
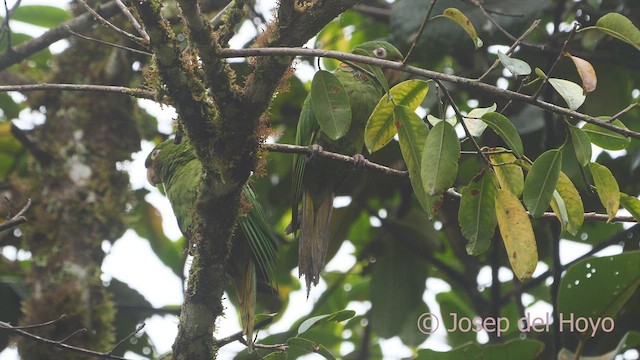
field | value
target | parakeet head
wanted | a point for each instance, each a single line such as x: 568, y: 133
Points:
x: 383, y: 50
x: 166, y: 158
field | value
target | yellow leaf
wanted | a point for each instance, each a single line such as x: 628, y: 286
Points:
x: 586, y: 72
x: 508, y: 173
x: 517, y: 234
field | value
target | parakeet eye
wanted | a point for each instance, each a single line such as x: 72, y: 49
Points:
x: 380, y: 52
x: 154, y: 154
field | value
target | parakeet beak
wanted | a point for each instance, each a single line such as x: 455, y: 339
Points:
x: 151, y: 176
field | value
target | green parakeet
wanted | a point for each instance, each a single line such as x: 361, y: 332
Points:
x: 316, y: 180
x: 254, y: 249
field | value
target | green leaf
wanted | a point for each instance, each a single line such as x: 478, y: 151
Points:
x: 608, y: 189
x: 505, y: 129
x: 440, y: 159
x: 606, y: 138
x: 310, y: 346
x: 508, y: 173
x: 599, y: 287
x: 632, y: 204
x: 337, y: 316
x: 451, y: 302
x: 570, y: 200
x: 41, y: 15
x: 571, y: 92
x: 380, y: 127
x: 476, y: 126
x: 412, y: 133
x: 458, y: 17
x: 541, y: 181
x: 477, y: 212
x: 514, y: 349
x: 517, y: 234
x: 581, y: 146
x: 618, y: 26
x: 330, y: 104
x: 516, y: 66
x: 434, y: 120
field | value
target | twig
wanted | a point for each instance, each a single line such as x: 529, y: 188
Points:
x: 146, y: 94
x: 217, y: 20
x: 623, y: 111
x: 460, y: 117
x: 35, y: 326
x: 137, y: 330
x: 555, y: 63
x: 466, y: 82
x: 132, y: 19
x: 420, y: 31
x: 239, y: 336
x: 295, y: 149
x: 486, y: 14
x: 106, y: 23
x: 82, y: 330
x: 518, y: 41
x: 59, y: 344
x: 108, y: 43
x: 17, y: 219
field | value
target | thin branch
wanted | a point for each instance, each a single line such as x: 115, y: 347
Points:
x: 145, y: 94
x: 79, y: 331
x: 108, y: 43
x: 555, y: 63
x: 623, y: 111
x: 420, y: 31
x: 132, y: 19
x: 486, y: 14
x: 295, y: 149
x: 30, y: 47
x: 137, y: 330
x: 466, y: 82
x: 304, y: 150
x: 106, y: 23
x: 518, y: 41
x: 239, y: 336
x: 59, y: 344
x: 17, y: 219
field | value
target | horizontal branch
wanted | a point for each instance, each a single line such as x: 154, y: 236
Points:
x: 304, y: 150
x: 60, y: 344
x: 83, y: 22
x: 17, y: 219
x: 276, y: 51
x: 146, y: 94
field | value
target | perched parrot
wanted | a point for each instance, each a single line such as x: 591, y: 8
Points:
x: 254, y: 248
x: 316, y: 180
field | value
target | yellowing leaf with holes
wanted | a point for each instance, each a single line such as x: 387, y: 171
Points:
x: 477, y: 212
x: 607, y: 187
x: 567, y: 205
x: 330, y: 104
x: 508, y: 173
x: 380, y: 127
x: 581, y: 146
x: 570, y: 92
x: 587, y: 73
x: 541, y: 182
x: 517, y: 234
x: 462, y: 20
x: 440, y: 159
x: 412, y: 133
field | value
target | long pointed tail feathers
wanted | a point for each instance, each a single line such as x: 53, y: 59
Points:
x: 247, y: 299
x: 314, y: 237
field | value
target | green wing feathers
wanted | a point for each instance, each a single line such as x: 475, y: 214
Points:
x: 179, y: 170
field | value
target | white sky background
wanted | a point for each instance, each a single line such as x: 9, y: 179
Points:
x: 131, y: 259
